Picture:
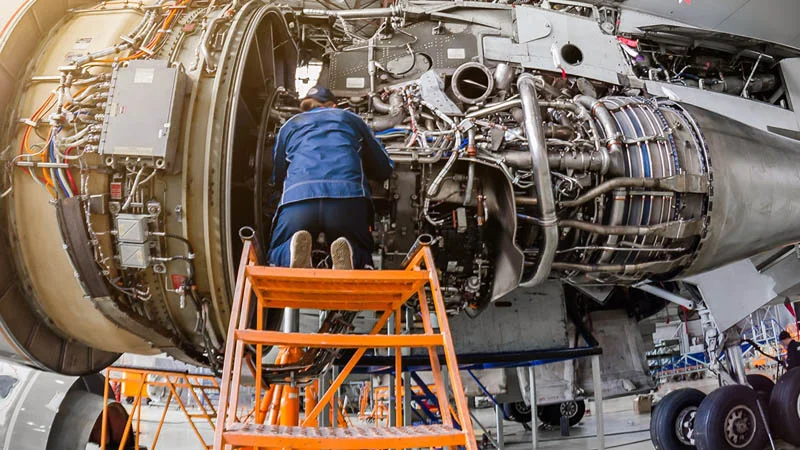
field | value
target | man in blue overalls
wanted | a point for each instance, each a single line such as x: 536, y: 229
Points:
x: 323, y: 157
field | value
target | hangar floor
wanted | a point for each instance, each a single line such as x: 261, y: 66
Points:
x: 624, y: 429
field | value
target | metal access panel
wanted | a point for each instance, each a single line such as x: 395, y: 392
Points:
x: 526, y: 319
x: 144, y: 112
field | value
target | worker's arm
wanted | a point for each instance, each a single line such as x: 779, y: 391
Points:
x: 378, y: 165
x: 279, y: 163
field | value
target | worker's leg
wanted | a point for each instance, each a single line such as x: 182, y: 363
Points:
x: 350, y: 218
x: 292, y: 218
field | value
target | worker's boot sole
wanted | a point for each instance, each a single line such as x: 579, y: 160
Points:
x: 342, y: 254
x: 300, y: 250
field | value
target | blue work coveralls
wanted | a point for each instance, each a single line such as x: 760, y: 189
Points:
x: 323, y: 158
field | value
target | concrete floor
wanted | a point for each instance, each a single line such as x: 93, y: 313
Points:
x: 624, y: 429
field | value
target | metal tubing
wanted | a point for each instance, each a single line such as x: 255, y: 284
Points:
x: 610, y: 129
x: 504, y: 76
x: 534, y: 428
x: 205, y: 42
x: 608, y: 186
x: 395, y: 115
x: 495, y: 108
x: 498, y: 418
x: 673, y: 230
x: 434, y: 187
x: 666, y: 295
x: 614, y: 165
x: 613, y: 136
x: 583, y: 161
x: 470, y: 184
x: 541, y: 170
x: 736, y: 358
x: 597, y: 381
x: 367, y: 13
x: 379, y: 105
x: 422, y: 241
x: 526, y: 201
x: 650, y: 266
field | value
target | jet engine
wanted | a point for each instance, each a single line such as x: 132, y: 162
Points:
x: 137, y: 143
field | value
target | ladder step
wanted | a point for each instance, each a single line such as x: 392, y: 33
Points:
x: 352, y: 290
x: 342, y: 438
x: 325, y: 340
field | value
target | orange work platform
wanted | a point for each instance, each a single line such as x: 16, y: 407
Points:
x: 385, y: 292
x: 198, y: 386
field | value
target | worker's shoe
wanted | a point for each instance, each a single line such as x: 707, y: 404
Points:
x: 342, y: 254
x: 300, y: 250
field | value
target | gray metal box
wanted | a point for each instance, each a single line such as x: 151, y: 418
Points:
x: 144, y: 112
x: 132, y: 228
x: 136, y: 256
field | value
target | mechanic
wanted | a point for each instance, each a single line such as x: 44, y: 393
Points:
x: 792, y: 350
x: 323, y: 158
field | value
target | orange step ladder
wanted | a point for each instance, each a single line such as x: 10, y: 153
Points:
x: 385, y: 292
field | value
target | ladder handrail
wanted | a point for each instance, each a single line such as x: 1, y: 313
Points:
x: 248, y: 257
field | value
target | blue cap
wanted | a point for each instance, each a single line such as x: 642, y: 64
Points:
x: 321, y: 94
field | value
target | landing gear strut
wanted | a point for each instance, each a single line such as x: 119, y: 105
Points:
x: 734, y: 416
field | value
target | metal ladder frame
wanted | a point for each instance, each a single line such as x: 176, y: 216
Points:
x: 421, y: 261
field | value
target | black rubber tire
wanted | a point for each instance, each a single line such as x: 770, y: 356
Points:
x: 551, y: 414
x: 666, y: 414
x: 710, y: 421
x: 763, y: 386
x: 518, y: 412
x: 783, y: 407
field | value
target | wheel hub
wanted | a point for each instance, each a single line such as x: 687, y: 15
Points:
x: 740, y: 426
x: 684, y: 425
x: 522, y: 408
x: 568, y: 409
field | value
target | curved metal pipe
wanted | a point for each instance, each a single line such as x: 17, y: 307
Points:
x: 379, y: 105
x: 608, y: 186
x: 613, y: 137
x: 526, y: 84
x: 395, y: 116
x: 610, y: 129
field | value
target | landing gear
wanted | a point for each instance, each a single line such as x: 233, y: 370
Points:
x: 784, y: 407
x: 518, y: 412
x: 572, y: 410
x: 730, y: 419
x: 672, y: 424
x: 549, y: 414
